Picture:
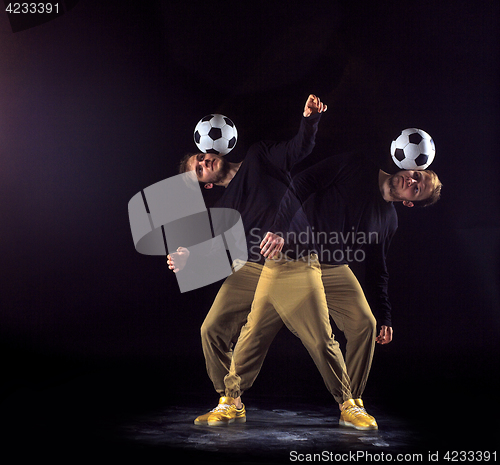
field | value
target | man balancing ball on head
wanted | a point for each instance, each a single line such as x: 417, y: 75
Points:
x: 344, y: 196
x: 254, y: 188
x: 325, y: 352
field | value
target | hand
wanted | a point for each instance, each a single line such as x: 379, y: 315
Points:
x: 385, y: 335
x: 177, y: 260
x: 314, y: 105
x: 271, y: 245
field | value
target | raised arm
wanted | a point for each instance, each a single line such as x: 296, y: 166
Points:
x: 314, y: 105
x: 286, y: 154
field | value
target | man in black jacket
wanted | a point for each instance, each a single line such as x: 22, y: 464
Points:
x: 347, y: 203
x: 255, y: 188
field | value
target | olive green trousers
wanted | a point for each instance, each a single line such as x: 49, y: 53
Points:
x: 300, y: 294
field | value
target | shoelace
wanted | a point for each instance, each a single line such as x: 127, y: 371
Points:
x: 221, y: 408
x: 363, y: 410
x: 357, y: 411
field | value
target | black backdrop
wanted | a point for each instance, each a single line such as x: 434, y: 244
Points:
x: 101, y: 103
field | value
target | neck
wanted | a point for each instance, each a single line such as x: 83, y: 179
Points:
x: 233, y: 169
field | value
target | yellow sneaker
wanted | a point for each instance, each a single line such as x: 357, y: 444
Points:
x: 224, y: 414
x: 202, y: 419
x: 359, y: 403
x: 355, y: 416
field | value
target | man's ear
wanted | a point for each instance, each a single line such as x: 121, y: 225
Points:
x: 407, y: 203
x: 209, y: 185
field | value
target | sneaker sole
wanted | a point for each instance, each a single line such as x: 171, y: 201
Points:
x: 361, y: 428
x: 226, y: 423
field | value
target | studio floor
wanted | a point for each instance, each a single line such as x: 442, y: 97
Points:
x: 271, y: 434
x: 126, y: 414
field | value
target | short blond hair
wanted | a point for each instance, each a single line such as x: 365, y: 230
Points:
x: 436, y: 191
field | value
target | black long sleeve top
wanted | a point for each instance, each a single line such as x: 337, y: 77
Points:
x: 348, y: 218
x: 257, y: 189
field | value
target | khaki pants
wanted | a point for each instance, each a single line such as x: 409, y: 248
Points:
x: 293, y: 292
x: 221, y: 328
x: 222, y: 325
x: 351, y: 313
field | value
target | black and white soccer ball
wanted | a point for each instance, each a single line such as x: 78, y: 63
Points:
x: 414, y: 149
x: 215, y: 134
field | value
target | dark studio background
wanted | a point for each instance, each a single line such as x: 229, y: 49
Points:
x: 102, y: 102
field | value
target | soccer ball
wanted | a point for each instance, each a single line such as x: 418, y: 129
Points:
x: 215, y: 134
x: 414, y: 149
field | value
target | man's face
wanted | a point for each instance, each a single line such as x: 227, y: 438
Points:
x: 209, y: 168
x: 410, y: 186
